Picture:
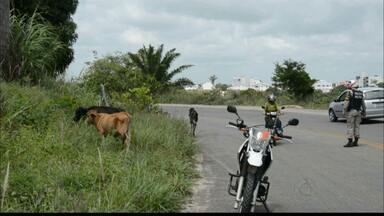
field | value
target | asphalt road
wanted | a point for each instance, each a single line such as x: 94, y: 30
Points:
x: 313, y: 174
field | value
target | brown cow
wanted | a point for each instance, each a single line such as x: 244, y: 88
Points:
x: 120, y: 122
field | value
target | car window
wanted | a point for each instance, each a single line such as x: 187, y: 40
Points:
x: 342, y: 97
x: 376, y: 94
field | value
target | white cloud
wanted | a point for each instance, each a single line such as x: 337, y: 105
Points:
x: 227, y: 36
x: 136, y: 36
x: 272, y: 43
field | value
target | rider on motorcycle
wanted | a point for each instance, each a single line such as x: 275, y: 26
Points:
x: 271, y: 106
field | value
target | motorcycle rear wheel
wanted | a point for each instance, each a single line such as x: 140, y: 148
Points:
x: 246, y: 204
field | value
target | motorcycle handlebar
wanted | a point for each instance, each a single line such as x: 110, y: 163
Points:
x: 238, y: 125
x: 234, y: 124
x: 286, y: 137
x: 278, y: 113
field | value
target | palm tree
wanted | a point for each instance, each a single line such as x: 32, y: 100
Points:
x: 152, y: 63
x: 4, y: 29
x: 213, y: 78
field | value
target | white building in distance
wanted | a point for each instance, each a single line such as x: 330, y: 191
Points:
x: 192, y: 87
x: 323, y: 86
x: 207, y: 86
x: 364, y: 80
x: 203, y: 86
x: 242, y: 83
x: 239, y: 83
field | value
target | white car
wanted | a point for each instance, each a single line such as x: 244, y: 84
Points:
x: 373, y: 99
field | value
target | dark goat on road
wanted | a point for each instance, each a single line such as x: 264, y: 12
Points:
x: 81, y: 112
x: 193, y: 118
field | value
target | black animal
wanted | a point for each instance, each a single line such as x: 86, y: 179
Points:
x: 193, y: 118
x: 81, y: 112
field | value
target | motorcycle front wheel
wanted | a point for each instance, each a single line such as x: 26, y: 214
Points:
x: 246, y: 204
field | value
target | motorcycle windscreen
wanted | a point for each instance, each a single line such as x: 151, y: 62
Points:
x: 255, y: 158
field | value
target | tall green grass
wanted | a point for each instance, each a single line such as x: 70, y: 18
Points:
x: 33, y: 50
x: 57, y: 165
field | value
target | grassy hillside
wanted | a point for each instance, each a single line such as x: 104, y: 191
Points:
x: 56, y: 165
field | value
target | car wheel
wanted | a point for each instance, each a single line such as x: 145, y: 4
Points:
x: 332, y: 116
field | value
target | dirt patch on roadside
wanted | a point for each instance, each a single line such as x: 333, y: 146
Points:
x: 199, y: 190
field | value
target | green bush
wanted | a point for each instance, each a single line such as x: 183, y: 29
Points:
x: 137, y: 99
x: 114, y: 73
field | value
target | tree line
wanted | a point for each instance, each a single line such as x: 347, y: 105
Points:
x: 41, y: 35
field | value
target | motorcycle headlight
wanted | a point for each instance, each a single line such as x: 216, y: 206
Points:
x: 259, y: 139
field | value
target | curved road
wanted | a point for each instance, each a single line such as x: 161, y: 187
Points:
x: 314, y: 174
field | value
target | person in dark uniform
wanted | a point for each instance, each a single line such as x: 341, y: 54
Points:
x: 354, y: 109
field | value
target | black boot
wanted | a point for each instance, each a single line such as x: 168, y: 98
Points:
x: 355, y: 142
x: 349, y: 144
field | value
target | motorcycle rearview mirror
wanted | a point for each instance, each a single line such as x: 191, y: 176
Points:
x: 293, y: 122
x: 232, y: 109
x: 263, y: 107
x: 283, y: 107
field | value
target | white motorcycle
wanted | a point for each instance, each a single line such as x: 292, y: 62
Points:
x: 249, y: 185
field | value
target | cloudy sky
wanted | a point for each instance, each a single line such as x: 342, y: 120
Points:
x: 336, y: 39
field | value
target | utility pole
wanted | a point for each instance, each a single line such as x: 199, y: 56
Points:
x: 103, y: 96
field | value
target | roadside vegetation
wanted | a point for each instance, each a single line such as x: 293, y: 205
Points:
x: 250, y: 97
x: 49, y: 163
x: 57, y: 165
